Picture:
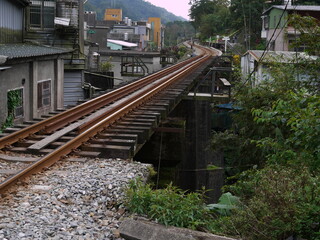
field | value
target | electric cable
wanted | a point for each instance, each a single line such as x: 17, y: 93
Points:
x: 266, y: 50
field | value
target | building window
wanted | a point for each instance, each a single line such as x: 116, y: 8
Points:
x: 44, y: 93
x: 114, y: 15
x: 15, y: 103
x: 41, y: 14
x: 266, y: 22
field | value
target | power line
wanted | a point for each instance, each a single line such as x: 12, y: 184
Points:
x: 266, y: 50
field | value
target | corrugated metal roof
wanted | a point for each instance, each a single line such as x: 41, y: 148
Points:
x: 24, y: 50
x: 294, y: 8
x: 122, y: 43
x: 279, y: 56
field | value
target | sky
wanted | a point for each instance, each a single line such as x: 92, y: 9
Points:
x: 177, y: 7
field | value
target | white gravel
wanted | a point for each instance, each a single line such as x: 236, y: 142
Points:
x: 71, y: 200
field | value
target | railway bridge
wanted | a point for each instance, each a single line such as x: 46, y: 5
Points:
x: 120, y: 123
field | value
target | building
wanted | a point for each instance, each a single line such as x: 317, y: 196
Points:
x: 124, y: 44
x: 31, y: 74
x: 137, y: 32
x: 255, y: 64
x: 275, y: 29
x: 113, y: 15
x: 157, y: 32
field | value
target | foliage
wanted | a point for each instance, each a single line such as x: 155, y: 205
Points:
x: 210, y: 17
x: 239, y: 143
x: 296, y: 139
x: 309, y: 29
x: 278, y: 134
x: 178, y: 31
x: 246, y: 16
x: 278, y: 202
x: 14, y: 100
x: 106, y: 66
x: 169, y: 206
x: 175, y: 51
x: 137, y: 10
x: 227, y: 202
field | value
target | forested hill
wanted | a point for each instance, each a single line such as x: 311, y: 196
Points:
x: 134, y: 9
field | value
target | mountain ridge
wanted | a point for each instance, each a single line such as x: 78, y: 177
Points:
x: 137, y: 10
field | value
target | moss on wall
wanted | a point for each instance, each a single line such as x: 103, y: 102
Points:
x: 10, y: 35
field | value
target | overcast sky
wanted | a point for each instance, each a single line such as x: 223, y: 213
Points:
x: 177, y: 7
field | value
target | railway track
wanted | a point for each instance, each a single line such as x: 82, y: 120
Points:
x: 96, y: 123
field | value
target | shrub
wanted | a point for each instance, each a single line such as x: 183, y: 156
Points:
x: 283, y: 202
x: 169, y: 206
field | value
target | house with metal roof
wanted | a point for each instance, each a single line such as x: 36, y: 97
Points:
x: 275, y: 28
x: 60, y: 23
x: 31, y: 75
x: 255, y: 64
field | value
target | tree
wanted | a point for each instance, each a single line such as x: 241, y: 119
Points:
x: 309, y: 29
x: 210, y: 17
x: 178, y: 31
x: 280, y: 122
x: 246, y: 16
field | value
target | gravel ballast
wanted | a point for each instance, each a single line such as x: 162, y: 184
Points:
x: 71, y: 200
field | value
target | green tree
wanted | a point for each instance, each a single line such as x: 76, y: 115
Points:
x: 210, y: 17
x: 309, y: 29
x: 178, y: 31
x: 246, y: 16
x: 280, y: 122
x: 296, y: 121
x: 277, y: 202
x: 215, y: 23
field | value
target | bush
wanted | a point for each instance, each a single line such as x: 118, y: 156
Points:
x: 169, y: 206
x: 278, y: 202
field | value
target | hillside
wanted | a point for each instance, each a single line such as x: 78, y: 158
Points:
x: 134, y: 9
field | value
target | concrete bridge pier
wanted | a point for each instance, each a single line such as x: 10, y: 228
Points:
x: 200, y: 167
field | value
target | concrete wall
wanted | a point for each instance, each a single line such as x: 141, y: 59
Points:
x: 11, y: 79
x: 26, y: 76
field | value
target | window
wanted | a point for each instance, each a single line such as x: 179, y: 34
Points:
x: 44, y: 93
x: 266, y: 22
x: 41, y: 14
x: 15, y: 103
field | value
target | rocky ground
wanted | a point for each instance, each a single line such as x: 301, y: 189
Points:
x: 71, y: 200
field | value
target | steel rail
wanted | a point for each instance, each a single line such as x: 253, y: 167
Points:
x: 88, y: 124
x: 108, y: 98
x: 66, y: 117
x: 76, y: 142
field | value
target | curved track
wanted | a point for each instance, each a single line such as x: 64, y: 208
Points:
x: 125, y: 99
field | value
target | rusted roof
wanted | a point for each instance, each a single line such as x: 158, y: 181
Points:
x: 23, y: 50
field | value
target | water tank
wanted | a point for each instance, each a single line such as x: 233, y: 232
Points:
x: 68, y: 9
